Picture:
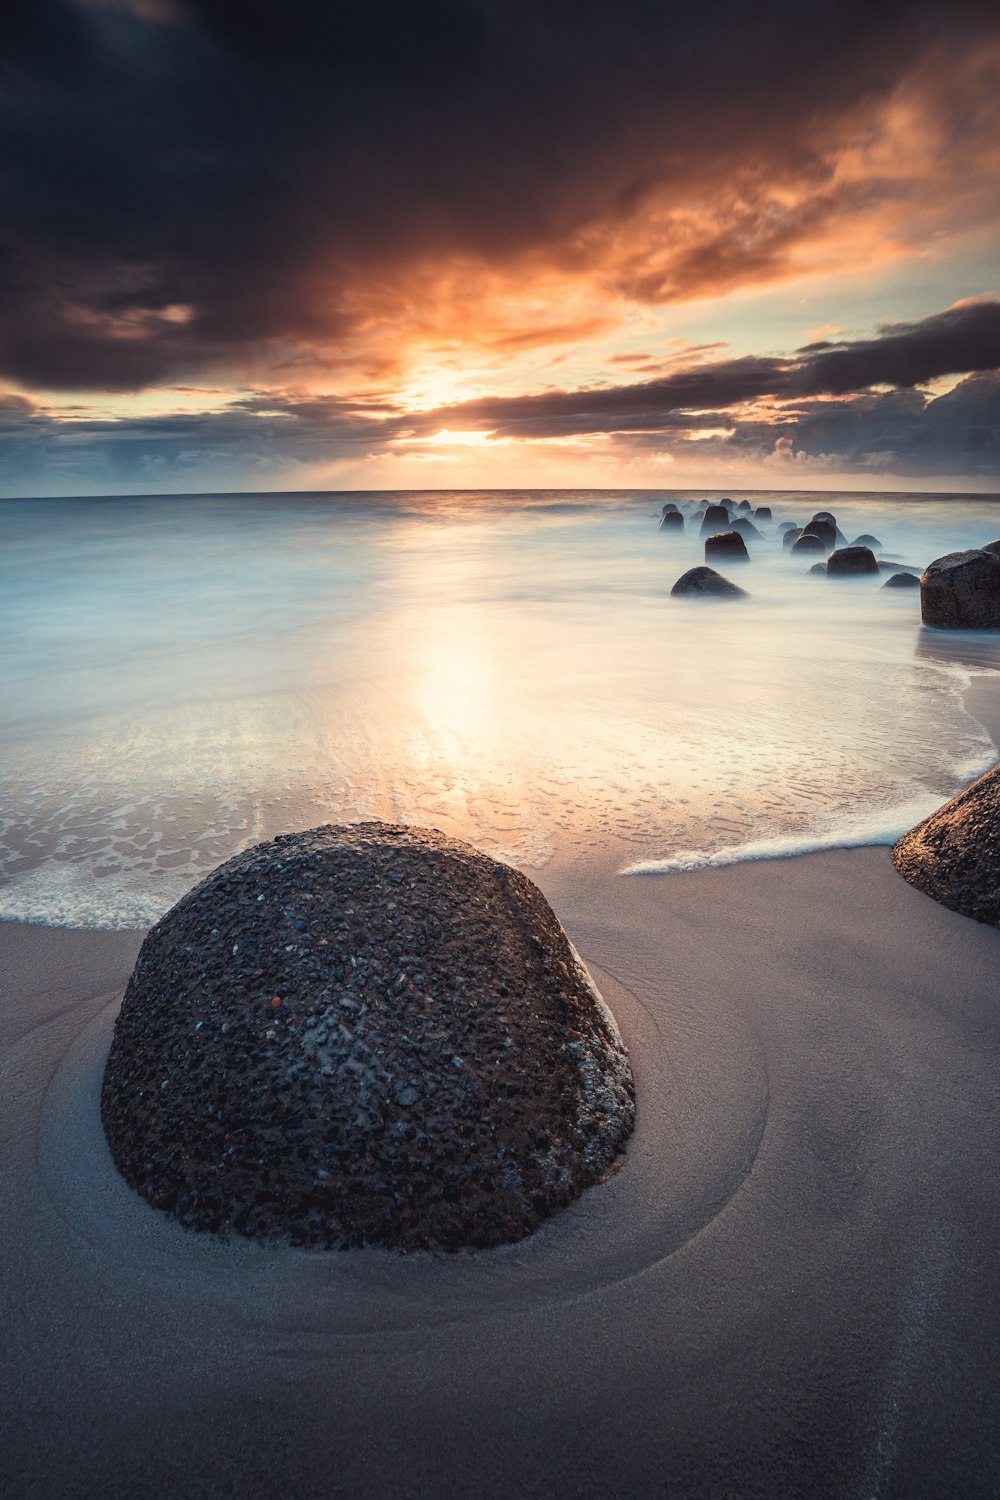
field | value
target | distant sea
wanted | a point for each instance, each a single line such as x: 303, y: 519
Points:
x: 182, y: 676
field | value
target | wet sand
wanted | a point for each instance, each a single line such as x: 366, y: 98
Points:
x: 789, y: 1289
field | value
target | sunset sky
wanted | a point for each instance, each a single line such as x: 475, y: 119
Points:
x: 257, y: 245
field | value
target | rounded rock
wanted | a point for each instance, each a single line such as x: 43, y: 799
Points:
x: 706, y: 583
x: 366, y: 1035
x: 954, y: 855
x: 902, y: 581
x: 790, y: 537
x: 726, y: 544
x: 852, y: 560
x: 825, y: 530
x: 961, y: 591
x: 671, y: 520
x: 716, y: 518
x: 807, y: 541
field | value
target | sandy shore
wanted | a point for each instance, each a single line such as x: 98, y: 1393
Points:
x: 790, y: 1289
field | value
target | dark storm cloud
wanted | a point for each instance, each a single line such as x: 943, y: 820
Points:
x: 957, y: 341
x: 965, y: 337
x: 187, y: 181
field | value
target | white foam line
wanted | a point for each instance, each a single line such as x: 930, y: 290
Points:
x: 880, y: 828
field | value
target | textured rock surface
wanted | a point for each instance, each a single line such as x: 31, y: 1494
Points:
x: 726, y: 544
x: 902, y: 581
x: 846, y: 560
x: 364, y: 1035
x: 707, y: 582
x: 961, y: 591
x: 954, y: 855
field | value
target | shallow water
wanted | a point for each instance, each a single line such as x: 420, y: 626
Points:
x: 183, y: 676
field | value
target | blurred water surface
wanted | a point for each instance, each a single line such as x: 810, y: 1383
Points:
x: 184, y: 675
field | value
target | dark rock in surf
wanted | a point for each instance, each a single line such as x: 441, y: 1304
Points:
x: 716, y: 518
x: 670, y: 506
x: 819, y: 567
x: 807, y: 541
x: 747, y: 530
x: 762, y: 513
x: 671, y: 520
x: 825, y: 530
x: 372, y: 1035
x: 961, y: 591
x: 902, y: 581
x: 790, y: 537
x: 728, y: 544
x: 825, y: 515
x: 954, y: 855
x: 788, y: 526
x: 866, y: 540
x: 851, y: 560
x: 706, y: 583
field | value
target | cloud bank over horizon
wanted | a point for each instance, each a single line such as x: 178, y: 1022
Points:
x: 507, y: 239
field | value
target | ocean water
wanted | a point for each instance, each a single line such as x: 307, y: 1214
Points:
x: 184, y: 676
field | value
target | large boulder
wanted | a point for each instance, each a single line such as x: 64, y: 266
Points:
x: 852, y: 560
x: 726, y: 544
x: 671, y: 520
x: 961, y: 591
x: 716, y: 518
x: 706, y: 583
x: 954, y: 855
x: 902, y: 581
x: 364, y: 1035
x: 806, y: 541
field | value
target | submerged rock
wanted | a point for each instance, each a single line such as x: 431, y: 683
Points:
x: 790, y: 537
x: 902, y: 581
x: 671, y: 520
x: 747, y: 530
x: 846, y: 560
x: 762, y: 513
x: 954, y: 855
x: 726, y: 544
x: 364, y: 1035
x: 819, y: 567
x: 826, y: 516
x: 961, y: 591
x: 788, y: 526
x: 866, y: 540
x: 706, y: 582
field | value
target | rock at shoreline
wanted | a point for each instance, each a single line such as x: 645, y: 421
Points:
x: 954, y: 855
x: 902, y: 581
x: 671, y: 520
x: 705, y: 583
x: 726, y: 544
x: 852, y: 560
x: 716, y: 518
x: 961, y: 591
x: 369, y: 1035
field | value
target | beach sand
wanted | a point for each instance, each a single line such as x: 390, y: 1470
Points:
x: 789, y: 1289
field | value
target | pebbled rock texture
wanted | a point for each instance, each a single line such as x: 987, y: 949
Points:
x: 954, y: 855
x: 368, y: 1035
x: 961, y: 591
